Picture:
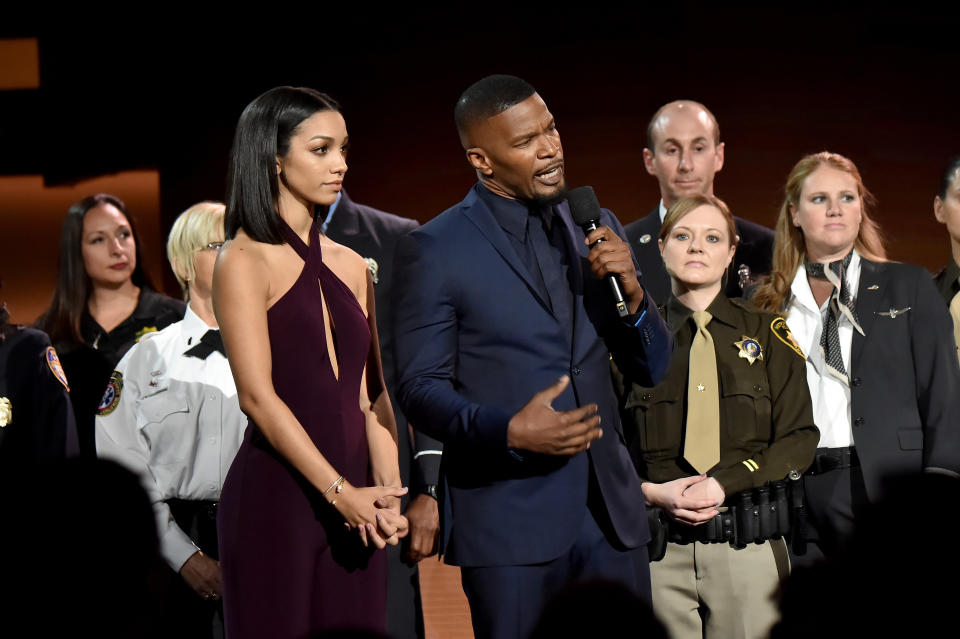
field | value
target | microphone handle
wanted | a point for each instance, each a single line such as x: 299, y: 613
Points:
x: 618, y: 298
x: 615, y: 287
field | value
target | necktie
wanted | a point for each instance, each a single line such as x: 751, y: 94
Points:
x: 841, y: 303
x: 955, y: 314
x: 548, y: 248
x: 210, y: 342
x: 701, y: 446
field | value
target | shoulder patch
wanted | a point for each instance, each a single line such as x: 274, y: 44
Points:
x: 54, y: 363
x: 143, y: 331
x: 783, y: 333
x: 111, y: 397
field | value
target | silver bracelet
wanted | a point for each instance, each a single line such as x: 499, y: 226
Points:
x: 336, y: 482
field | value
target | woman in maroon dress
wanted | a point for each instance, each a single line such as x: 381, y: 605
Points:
x: 315, y: 487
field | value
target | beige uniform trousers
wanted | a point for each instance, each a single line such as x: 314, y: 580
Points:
x: 715, y: 591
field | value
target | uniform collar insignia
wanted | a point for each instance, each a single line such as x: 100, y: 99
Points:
x: 749, y: 349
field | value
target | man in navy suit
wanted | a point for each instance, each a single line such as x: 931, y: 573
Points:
x: 684, y: 153
x: 504, y: 334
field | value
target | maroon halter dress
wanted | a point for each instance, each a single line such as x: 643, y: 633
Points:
x: 290, y: 568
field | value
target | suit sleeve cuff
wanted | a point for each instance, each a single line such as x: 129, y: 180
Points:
x: 428, y: 465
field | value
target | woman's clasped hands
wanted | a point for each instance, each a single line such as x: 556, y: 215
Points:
x: 374, y: 512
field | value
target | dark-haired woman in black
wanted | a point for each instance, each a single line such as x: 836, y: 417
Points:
x: 103, y: 303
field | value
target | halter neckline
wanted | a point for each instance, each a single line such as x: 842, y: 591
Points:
x: 296, y: 242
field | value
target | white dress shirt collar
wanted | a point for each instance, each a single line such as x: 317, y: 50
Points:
x: 193, y: 328
x: 831, y: 397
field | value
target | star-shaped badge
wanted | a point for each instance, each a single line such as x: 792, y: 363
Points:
x: 749, y: 349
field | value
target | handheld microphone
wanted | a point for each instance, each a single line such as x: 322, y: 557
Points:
x: 585, y: 210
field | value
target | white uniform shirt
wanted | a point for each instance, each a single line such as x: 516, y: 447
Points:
x: 177, y: 423
x: 831, y: 397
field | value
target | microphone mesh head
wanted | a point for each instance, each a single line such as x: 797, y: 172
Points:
x: 584, y: 206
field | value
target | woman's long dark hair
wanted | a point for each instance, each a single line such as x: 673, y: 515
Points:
x: 62, y: 320
x: 263, y: 134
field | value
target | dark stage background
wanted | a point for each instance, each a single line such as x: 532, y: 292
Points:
x: 879, y: 87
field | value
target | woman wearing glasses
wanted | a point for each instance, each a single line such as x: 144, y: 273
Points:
x: 171, y: 414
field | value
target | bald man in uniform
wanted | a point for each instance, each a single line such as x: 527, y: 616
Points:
x: 684, y: 153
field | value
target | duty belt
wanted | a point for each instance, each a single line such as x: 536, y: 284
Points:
x: 828, y: 459
x: 771, y: 511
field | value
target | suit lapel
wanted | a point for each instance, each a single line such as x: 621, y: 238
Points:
x: 346, y: 219
x: 869, y: 292
x: 477, y: 212
x: 656, y: 280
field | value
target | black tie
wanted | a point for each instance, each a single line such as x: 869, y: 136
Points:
x: 210, y: 342
x: 546, y: 236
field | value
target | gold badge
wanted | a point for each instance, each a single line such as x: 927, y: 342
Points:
x: 143, y: 331
x: 785, y: 335
x: 54, y: 363
x: 111, y: 397
x: 6, y: 412
x: 749, y: 349
x: 374, y: 269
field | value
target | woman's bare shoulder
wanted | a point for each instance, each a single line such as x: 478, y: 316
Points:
x: 242, y: 257
x: 339, y: 257
x: 349, y: 266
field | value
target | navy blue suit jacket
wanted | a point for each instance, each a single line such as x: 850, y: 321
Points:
x: 474, y: 342
x: 904, y: 378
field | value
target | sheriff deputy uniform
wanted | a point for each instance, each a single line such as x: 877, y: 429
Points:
x: 766, y: 433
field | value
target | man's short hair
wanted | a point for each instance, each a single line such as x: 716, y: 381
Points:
x: 488, y: 97
x: 656, y: 116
